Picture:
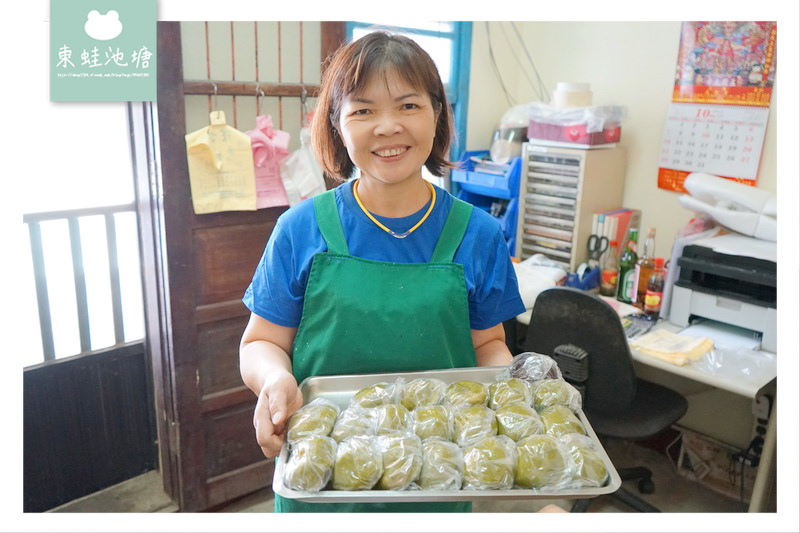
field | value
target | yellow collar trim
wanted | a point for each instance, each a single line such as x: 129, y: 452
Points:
x: 384, y: 228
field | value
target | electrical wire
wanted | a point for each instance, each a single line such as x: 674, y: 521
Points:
x: 538, y: 86
x: 509, y: 98
x: 740, y: 459
x: 512, y: 48
x: 541, y: 89
x: 674, y: 441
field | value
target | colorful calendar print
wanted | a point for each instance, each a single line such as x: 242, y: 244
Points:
x: 722, y: 140
x: 720, y: 102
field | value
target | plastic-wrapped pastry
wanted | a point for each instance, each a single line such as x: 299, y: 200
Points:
x: 422, y: 391
x: 472, y: 423
x: 375, y: 395
x: 532, y: 366
x: 442, y: 465
x: 354, y: 422
x: 310, y: 464
x: 517, y: 421
x: 402, y: 461
x: 392, y: 418
x: 549, y: 392
x: 466, y: 392
x: 589, y: 470
x: 560, y: 420
x: 315, y: 418
x: 509, y: 390
x: 489, y: 464
x: 358, y: 465
x: 541, y: 461
x: 432, y: 421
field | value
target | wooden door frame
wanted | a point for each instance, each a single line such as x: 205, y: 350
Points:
x: 162, y: 172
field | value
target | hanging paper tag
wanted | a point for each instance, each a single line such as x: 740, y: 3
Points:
x: 221, y: 172
x: 270, y: 147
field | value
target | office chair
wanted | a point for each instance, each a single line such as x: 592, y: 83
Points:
x: 616, y: 403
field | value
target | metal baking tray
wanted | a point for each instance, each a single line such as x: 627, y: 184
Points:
x: 339, y: 389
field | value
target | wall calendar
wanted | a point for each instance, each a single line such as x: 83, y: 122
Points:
x: 717, y: 119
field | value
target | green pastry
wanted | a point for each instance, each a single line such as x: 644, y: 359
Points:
x: 374, y: 395
x: 358, y: 465
x: 517, y: 421
x: 402, y: 461
x: 422, y: 391
x: 310, y: 464
x: 489, y: 464
x: 541, y: 462
x: 432, y: 421
x: 466, y: 392
x: 442, y: 465
x: 354, y: 422
x: 589, y: 467
x: 560, y: 420
x: 314, y: 418
x: 549, y: 392
x: 392, y: 418
x: 510, y: 390
x: 473, y: 422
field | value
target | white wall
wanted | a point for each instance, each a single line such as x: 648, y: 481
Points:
x: 626, y: 63
x: 630, y: 64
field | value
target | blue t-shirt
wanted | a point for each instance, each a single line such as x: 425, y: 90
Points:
x: 278, y: 286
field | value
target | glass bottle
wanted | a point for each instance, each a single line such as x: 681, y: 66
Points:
x: 626, y: 289
x: 644, y: 267
x: 608, y: 270
x: 655, y: 289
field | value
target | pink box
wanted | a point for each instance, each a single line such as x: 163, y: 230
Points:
x: 573, y: 133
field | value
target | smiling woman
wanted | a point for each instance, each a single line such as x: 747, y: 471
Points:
x: 449, y: 44
x: 388, y: 129
x: 379, y: 82
x: 397, y: 274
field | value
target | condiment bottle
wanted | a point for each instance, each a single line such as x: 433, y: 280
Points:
x: 655, y: 289
x: 626, y: 287
x: 644, y: 267
x: 609, y: 270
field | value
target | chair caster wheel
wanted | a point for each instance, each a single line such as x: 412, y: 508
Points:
x: 646, y: 486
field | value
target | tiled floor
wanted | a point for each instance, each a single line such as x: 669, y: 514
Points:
x: 674, y: 493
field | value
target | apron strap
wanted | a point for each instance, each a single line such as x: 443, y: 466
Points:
x: 453, y: 232
x: 329, y: 223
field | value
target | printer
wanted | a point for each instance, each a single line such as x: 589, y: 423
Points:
x: 729, y: 278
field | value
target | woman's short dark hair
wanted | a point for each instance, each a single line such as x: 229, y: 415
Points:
x: 351, y: 67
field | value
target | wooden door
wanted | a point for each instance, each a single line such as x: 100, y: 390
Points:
x: 199, y: 267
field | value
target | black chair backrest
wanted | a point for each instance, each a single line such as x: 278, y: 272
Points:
x: 565, y: 315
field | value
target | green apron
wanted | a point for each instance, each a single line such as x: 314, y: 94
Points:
x: 364, y: 316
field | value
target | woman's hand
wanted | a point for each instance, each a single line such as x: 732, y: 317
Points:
x: 278, y: 399
x: 266, y: 369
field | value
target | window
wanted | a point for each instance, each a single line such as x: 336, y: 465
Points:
x: 449, y: 45
x: 83, y: 290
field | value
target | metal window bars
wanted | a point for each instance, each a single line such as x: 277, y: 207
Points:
x: 77, y: 244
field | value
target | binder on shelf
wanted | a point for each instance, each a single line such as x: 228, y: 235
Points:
x: 616, y: 224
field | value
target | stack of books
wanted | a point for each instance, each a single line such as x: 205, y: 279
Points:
x: 614, y: 225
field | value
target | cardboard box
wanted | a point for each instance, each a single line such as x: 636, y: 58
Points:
x: 711, y: 463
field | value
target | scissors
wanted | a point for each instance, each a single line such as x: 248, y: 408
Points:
x: 596, y: 246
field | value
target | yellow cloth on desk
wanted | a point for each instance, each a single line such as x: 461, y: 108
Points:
x: 671, y: 347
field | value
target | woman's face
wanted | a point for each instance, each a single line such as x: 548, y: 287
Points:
x: 388, y: 129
